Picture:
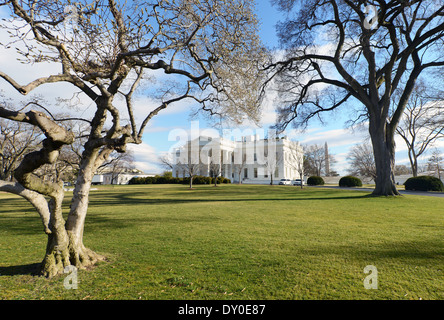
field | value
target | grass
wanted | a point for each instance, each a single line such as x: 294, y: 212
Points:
x: 236, y: 242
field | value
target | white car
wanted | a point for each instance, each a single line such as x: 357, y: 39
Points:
x: 297, y: 182
x: 285, y: 181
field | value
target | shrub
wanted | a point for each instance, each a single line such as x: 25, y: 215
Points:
x: 350, y: 181
x: 146, y: 180
x: 202, y: 180
x: 315, y: 181
x: 135, y: 181
x: 176, y: 180
x: 162, y: 180
x: 220, y: 180
x: 197, y: 180
x: 424, y: 183
x: 172, y: 180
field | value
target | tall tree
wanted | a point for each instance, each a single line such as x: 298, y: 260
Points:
x: 206, y: 50
x: 338, y: 52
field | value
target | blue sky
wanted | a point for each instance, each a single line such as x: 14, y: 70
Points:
x: 156, y: 137
x: 332, y: 131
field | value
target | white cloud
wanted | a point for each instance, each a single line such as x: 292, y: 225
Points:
x: 335, y: 137
x: 146, y: 157
x: 269, y: 115
x: 404, y: 160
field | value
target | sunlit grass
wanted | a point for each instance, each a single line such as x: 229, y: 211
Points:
x: 236, y: 242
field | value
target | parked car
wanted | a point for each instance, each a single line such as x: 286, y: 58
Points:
x: 297, y: 182
x: 285, y: 181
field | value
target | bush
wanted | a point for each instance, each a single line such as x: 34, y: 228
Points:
x: 171, y: 180
x: 146, y: 180
x: 424, y: 183
x: 350, y: 181
x: 197, y: 180
x: 315, y: 181
x: 220, y: 180
x: 154, y: 180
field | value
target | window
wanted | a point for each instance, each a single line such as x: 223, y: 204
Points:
x: 246, y: 173
x: 255, y: 172
x: 276, y: 173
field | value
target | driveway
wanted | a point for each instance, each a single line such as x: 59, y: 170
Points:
x: 406, y: 192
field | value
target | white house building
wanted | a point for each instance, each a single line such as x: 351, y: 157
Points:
x: 251, y: 160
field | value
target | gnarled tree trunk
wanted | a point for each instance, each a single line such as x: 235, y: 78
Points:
x: 57, y: 248
x: 80, y: 256
x: 65, y: 240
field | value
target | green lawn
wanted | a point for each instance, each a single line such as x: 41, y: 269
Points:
x: 236, y: 242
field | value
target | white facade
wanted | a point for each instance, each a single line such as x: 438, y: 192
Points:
x: 119, y: 178
x: 251, y: 160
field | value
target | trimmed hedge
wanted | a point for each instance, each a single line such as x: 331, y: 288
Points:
x: 171, y: 180
x: 424, y: 183
x: 350, y: 181
x: 315, y: 181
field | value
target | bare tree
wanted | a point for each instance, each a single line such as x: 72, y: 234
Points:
x: 191, y: 170
x: 239, y: 163
x: 309, y: 169
x: 105, y: 49
x: 422, y: 123
x: 167, y: 161
x: 215, y: 165
x: 116, y: 164
x: 296, y: 162
x: 434, y: 162
x: 315, y: 155
x: 362, y: 161
x: 273, y: 159
x: 16, y: 140
x: 337, y: 54
x: 211, y: 157
x: 316, y: 160
x: 402, y: 169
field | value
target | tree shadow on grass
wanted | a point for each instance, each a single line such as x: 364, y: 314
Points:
x: 32, y: 269
x: 137, y: 199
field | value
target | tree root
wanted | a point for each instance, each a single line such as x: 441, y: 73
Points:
x: 55, y: 262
